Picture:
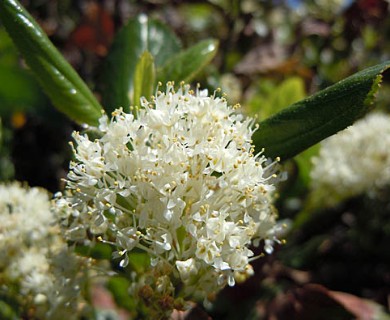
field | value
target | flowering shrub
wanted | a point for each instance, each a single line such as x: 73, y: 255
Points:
x: 174, y: 197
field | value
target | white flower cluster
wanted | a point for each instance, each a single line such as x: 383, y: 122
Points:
x: 179, y: 181
x: 35, y: 263
x: 354, y: 161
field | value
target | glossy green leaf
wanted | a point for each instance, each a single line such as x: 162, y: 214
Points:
x: 59, y: 80
x: 313, y: 119
x: 185, y: 65
x: 139, y: 35
x: 8, y: 53
x: 13, y: 77
x: 144, y: 77
x: 12, y: 98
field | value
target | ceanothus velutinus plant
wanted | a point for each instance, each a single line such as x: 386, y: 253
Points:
x: 184, y: 178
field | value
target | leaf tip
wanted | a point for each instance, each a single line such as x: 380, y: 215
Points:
x: 377, y: 83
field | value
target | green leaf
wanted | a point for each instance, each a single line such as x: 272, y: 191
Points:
x: 272, y: 98
x: 119, y: 287
x: 13, y: 77
x: 308, y: 121
x: 58, y: 79
x: 139, y: 261
x: 12, y: 98
x: 99, y: 251
x: 144, y: 77
x: 185, y: 65
x: 139, y: 35
x: 7, y: 312
x: 9, y: 55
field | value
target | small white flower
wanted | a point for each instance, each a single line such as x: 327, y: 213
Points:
x: 187, y: 268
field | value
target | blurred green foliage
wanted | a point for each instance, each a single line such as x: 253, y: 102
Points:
x: 270, y: 97
x: 12, y: 79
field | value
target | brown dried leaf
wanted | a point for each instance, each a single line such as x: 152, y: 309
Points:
x: 363, y: 309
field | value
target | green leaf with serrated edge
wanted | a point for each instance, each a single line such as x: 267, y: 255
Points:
x: 144, y: 78
x: 313, y: 119
x: 59, y: 80
x: 137, y: 36
x: 185, y: 65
